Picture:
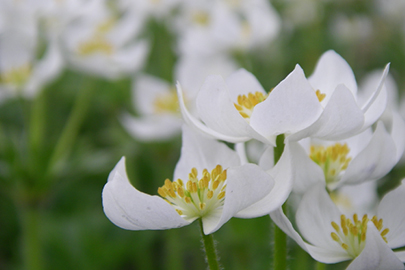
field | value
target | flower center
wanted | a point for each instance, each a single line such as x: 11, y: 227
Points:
x: 332, y: 159
x: 166, y: 103
x: 197, y: 197
x: 16, y: 76
x: 246, y: 104
x: 98, y: 43
x: 201, y: 18
x: 351, y: 235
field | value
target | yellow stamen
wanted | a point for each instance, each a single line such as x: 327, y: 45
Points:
x: 198, y: 196
x: 354, y: 233
x: 320, y: 95
x: 245, y: 104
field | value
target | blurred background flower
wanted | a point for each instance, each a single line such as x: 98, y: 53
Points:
x: 71, y: 69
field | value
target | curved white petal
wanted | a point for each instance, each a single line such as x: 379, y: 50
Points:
x: 374, y: 161
x: 376, y: 255
x: 266, y: 161
x: 217, y: 110
x: 131, y: 209
x: 320, y: 254
x: 400, y: 255
x: 290, y: 107
x: 282, y: 175
x: 340, y: 119
x: 330, y: 71
x: 245, y: 185
x: 306, y: 173
x: 199, y: 126
x: 240, y: 148
x: 377, y: 103
x: 392, y: 212
x: 152, y: 128
x: 314, y: 216
x: 201, y: 153
x: 242, y: 82
x: 397, y: 133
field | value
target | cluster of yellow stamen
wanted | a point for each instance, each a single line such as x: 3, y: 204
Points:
x: 351, y: 235
x: 246, y: 104
x: 98, y: 43
x: 320, y: 95
x: 166, y: 103
x: 196, y: 197
x: 201, y: 18
x: 16, y: 76
x: 332, y: 159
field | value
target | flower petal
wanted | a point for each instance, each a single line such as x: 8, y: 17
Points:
x: 197, y: 125
x: 320, y: 254
x: 376, y: 255
x: 282, y: 175
x: 376, y: 103
x: 151, y: 128
x: 340, y: 119
x: 218, y: 112
x: 242, y: 82
x: 314, y: 216
x: 131, y: 209
x: 306, y: 173
x: 393, y: 215
x: 245, y: 185
x: 397, y: 133
x: 330, y: 71
x: 374, y: 161
x: 290, y: 107
x: 201, y: 153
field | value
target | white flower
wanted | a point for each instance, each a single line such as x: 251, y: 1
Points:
x: 156, y: 100
x: 332, y: 237
x: 209, y: 28
x: 213, y: 186
x: 364, y: 157
x: 343, y: 115
x: 229, y: 108
x: 103, y: 42
x: 21, y: 71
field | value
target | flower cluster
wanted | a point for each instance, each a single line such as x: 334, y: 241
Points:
x: 335, y: 136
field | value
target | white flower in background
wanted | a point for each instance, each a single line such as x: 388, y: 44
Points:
x: 210, y: 184
x: 343, y: 115
x: 392, y: 10
x: 332, y: 237
x: 103, y: 41
x: 366, y: 156
x: 156, y: 100
x: 158, y: 9
x: 211, y: 27
x: 351, y: 30
x: 228, y: 107
x: 22, y: 72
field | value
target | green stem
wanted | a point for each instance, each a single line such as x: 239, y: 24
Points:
x: 37, y: 121
x: 209, y: 247
x: 71, y: 129
x: 31, y: 246
x: 280, y: 238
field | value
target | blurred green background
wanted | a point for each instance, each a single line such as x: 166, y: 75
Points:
x: 56, y: 218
